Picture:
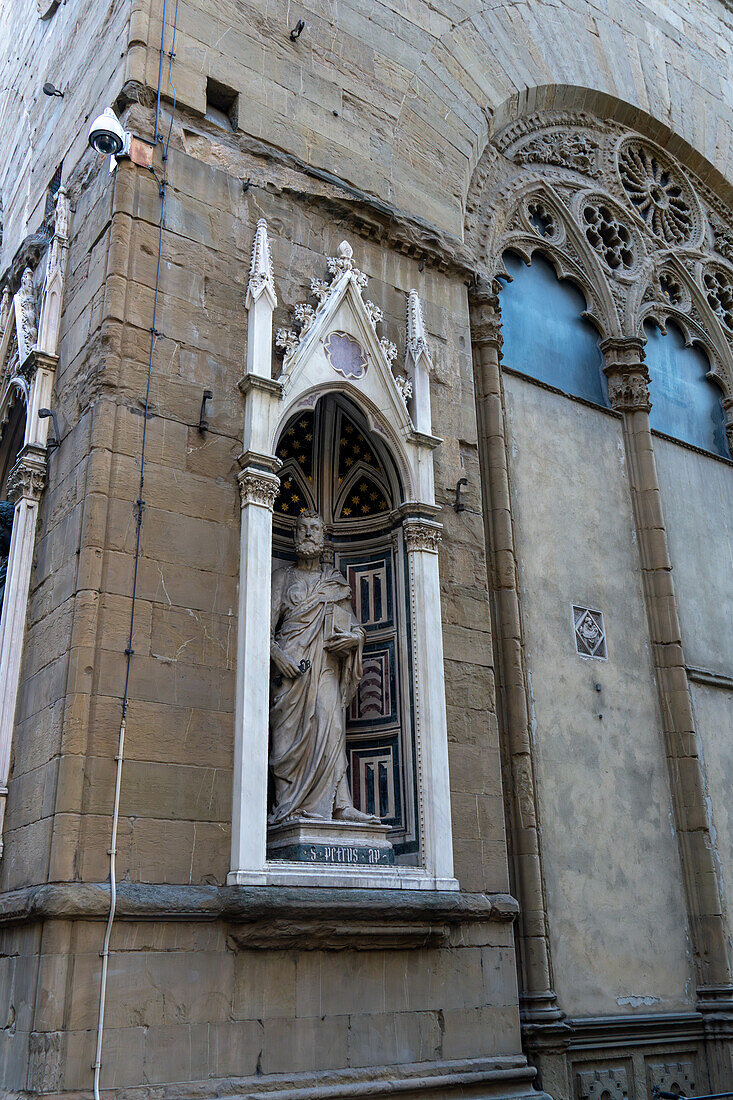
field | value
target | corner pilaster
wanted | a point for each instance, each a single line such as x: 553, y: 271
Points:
x: 537, y: 997
x: 423, y: 535
x: 258, y: 488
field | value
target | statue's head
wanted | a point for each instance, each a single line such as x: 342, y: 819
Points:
x: 310, y: 531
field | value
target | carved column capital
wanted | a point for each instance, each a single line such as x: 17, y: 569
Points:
x: 485, y: 314
x: 421, y: 534
x: 27, y: 479
x: 258, y: 487
x: 627, y: 374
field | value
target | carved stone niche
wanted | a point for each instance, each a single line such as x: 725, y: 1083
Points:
x: 339, y: 666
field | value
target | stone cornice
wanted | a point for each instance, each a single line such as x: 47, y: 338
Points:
x: 257, y: 382
x: 281, y: 909
x: 422, y: 439
x: 36, y: 359
x: 592, y: 1032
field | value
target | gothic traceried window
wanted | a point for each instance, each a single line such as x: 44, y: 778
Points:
x: 567, y: 180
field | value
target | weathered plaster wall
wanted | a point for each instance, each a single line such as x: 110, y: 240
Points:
x: 81, y: 49
x: 713, y: 711
x: 697, y: 494
x: 615, y: 903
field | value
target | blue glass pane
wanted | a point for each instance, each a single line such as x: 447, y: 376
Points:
x: 685, y: 404
x: 544, y: 333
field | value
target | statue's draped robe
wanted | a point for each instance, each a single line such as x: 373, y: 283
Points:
x: 307, y: 714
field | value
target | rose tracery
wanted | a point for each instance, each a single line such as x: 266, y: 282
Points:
x: 657, y: 194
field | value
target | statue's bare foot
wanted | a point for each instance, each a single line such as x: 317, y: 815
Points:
x: 350, y: 813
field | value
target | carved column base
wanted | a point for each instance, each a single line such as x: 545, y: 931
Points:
x: 540, y: 1008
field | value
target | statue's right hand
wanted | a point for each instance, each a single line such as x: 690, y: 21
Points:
x: 286, y: 664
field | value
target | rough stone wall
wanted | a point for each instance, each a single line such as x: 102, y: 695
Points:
x: 185, y: 1005
x: 177, y: 780
x: 176, y: 800
x: 48, y: 744
x: 417, y: 89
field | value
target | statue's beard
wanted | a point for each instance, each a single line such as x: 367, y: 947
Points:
x: 308, y: 549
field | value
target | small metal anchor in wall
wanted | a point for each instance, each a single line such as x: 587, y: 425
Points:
x: 203, y: 422
x: 459, y: 504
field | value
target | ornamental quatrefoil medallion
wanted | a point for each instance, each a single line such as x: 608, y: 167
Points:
x: 345, y: 354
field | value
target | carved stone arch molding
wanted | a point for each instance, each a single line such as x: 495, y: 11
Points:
x: 335, y: 353
x: 29, y: 332
x: 671, y: 290
x: 540, y: 220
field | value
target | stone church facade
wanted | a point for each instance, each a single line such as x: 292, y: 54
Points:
x: 456, y: 278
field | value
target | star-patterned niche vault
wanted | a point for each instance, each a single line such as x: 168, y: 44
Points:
x: 329, y: 463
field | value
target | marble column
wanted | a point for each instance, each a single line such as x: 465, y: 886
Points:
x: 422, y: 538
x: 258, y: 489
x: 25, y: 485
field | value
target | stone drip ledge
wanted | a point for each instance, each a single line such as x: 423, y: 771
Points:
x: 273, y: 916
x: 483, y: 1078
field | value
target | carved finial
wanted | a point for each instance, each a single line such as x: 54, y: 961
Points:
x: 27, y: 299
x: 61, y: 226
x: 260, y: 271
x: 416, y: 341
x: 344, y: 261
x: 4, y: 308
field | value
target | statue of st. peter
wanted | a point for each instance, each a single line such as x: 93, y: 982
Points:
x: 316, y: 649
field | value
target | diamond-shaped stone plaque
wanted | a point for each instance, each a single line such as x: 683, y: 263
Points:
x: 590, y: 632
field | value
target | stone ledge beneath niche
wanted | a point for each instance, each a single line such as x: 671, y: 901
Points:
x: 507, y: 1077
x: 274, y: 916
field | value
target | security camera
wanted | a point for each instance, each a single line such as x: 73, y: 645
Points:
x: 106, y: 135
